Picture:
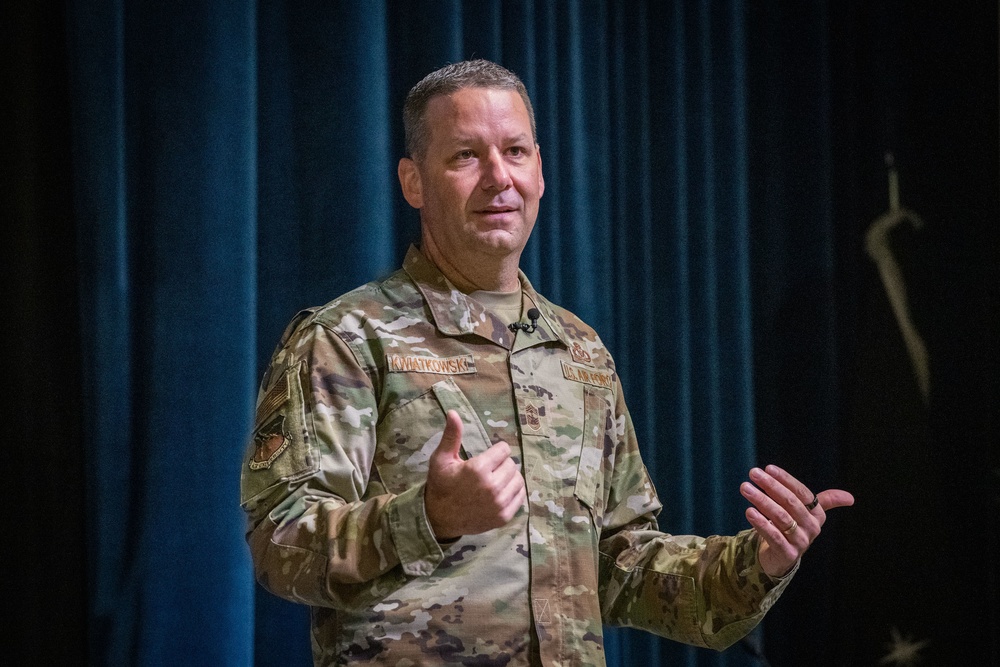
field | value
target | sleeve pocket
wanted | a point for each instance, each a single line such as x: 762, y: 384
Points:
x: 281, y: 447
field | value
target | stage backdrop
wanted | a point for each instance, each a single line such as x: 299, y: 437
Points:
x: 232, y: 162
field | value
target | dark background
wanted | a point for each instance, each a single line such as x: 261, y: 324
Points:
x: 832, y: 87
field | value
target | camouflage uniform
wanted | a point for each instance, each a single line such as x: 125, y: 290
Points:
x: 349, y: 412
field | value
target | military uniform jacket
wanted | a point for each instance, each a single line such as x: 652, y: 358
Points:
x: 349, y: 412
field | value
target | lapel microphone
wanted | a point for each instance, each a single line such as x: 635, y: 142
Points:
x: 533, y: 315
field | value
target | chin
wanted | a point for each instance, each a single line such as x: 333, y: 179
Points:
x: 500, y: 242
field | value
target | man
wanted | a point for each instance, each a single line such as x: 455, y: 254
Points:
x: 444, y: 482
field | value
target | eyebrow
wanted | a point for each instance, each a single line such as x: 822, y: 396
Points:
x: 522, y: 137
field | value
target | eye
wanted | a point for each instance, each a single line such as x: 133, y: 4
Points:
x: 465, y: 155
x: 516, y: 151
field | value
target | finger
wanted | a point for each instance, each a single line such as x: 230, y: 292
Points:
x: 451, y: 439
x: 832, y: 498
x: 777, y: 554
x: 800, y: 490
x: 762, y: 524
x: 515, y: 505
x: 776, y: 489
x: 493, y: 457
x: 772, y: 534
x: 766, y: 506
x: 505, y: 472
x: 512, y: 495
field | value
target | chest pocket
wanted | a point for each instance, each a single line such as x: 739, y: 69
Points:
x: 589, y: 487
x: 409, y: 434
x: 450, y: 397
x: 564, y: 426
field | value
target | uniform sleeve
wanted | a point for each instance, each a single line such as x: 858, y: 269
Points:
x: 322, y: 529
x: 705, y: 591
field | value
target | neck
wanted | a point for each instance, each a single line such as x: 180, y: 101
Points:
x: 478, y: 273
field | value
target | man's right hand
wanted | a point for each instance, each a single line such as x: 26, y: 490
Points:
x: 465, y: 497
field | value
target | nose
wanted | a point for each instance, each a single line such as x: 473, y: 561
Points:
x: 495, y: 173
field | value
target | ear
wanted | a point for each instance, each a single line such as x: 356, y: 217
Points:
x: 409, y: 181
x: 541, y: 179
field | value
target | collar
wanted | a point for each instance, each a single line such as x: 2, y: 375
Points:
x: 455, y: 314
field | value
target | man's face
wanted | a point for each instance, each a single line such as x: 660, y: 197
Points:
x: 480, y: 179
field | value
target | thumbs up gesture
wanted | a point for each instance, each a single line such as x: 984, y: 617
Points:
x: 466, y: 497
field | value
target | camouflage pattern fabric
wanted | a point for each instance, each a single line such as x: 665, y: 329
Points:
x: 349, y: 411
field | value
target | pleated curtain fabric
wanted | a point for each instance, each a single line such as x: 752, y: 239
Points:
x: 164, y: 107
x: 235, y: 162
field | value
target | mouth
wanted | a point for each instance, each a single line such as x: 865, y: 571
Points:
x: 497, y: 217
x: 496, y: 210
x: 499, y: 212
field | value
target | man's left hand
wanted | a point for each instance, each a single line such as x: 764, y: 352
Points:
x: 787, y: 515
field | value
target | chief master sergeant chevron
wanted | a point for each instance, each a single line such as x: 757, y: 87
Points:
x: 440, y: 488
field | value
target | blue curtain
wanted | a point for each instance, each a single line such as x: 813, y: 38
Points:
x: 164, y: 99
x: 235, y: 162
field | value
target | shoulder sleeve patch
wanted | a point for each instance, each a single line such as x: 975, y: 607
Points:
x: 281, y: 447
x: 268, y: 443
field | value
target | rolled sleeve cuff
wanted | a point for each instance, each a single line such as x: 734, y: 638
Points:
x: 419, y: 552
x: 761, y: 591
x: 759, y: 583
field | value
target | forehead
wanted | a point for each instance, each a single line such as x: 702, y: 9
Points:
x: 477, y: 113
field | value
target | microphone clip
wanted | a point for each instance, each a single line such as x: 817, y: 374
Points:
x: 533, y: 315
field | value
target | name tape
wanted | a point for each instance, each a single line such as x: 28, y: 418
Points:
x: 411, y: 363
x: 588, y: 375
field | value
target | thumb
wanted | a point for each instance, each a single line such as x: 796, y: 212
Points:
x: 451, y: 439
x: 832, y: 498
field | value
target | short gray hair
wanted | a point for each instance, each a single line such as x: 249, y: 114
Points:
x: 449, y: 79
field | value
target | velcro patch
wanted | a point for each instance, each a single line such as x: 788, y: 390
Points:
x: 276, y: 396
x: 412, y: 363
x: 580, y: 355
x: 588, y: 376
x: 269, y: 442
x: 531, y: 414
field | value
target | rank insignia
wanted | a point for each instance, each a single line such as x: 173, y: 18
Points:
x: 580, y: 355
x: 532, y: 414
